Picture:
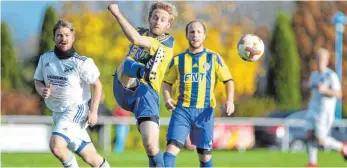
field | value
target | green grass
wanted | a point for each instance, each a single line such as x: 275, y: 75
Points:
x: 251, y: 158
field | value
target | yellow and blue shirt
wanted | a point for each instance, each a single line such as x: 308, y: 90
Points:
x: 142, y: 55
x: 197, y: 75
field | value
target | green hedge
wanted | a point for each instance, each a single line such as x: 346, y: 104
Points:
x: 255, y: 107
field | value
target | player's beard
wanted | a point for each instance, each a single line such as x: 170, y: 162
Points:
x: 156, y: 32
x: 195, y: 46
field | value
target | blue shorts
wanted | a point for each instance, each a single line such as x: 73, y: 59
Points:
x: 143, y: 101
x: 197, y: 122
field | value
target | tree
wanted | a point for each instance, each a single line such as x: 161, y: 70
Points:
x: 11, y: 78
x: 46, y: 36
x: 46, y: 43
x: 284, y: 66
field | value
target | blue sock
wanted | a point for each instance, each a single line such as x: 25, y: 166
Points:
x: 169, y: 160
x: 133, y: 69
x: 206, y: 164
x: 156, y: 160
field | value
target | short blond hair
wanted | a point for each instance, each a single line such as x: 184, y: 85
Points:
x: 171, y: 9
x: 63, y: 23
x: 322, y: 51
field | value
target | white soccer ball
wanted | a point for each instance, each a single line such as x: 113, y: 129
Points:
x: 250, y: 47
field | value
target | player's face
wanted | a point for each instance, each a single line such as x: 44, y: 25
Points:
x: 196, y: 35
x: 159, y: 22
x: 64, y: 38
x: 322, y: 61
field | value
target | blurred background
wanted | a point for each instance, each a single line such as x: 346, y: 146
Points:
x: 270, y: 95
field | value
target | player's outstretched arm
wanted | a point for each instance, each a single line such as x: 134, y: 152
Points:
x: 93, y: 113
x: 129, y: 31
x: 169, y: 103
x: 229, y: 105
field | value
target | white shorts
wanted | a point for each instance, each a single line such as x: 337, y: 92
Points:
x: 321, y: 123
x: 71, y: 125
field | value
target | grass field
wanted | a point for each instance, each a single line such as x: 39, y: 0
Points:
x: 251, y: 158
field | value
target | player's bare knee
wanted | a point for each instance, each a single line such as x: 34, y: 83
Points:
x: 57, y: 150
x: 93, y: 159
x: 151, y: 149
x: 171, y: 148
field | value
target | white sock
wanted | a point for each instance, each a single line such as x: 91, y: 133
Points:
x: 105, y: 164
x: 312, y: 151
x: 71, y: 162
x: 332, y: 143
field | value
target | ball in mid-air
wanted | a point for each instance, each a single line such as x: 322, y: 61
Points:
x: 250, y: 47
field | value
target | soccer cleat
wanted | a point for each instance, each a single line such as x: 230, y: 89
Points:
x: 152, y: 64
x: 312, y: 165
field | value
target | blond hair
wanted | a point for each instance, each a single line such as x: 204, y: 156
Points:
x: 323, y: 51
x: 171, y: 9
x: 63, y: 23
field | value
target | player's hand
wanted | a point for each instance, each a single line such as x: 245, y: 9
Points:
x: 46, y: 92
x: 321, y: 88
x: 229, y: 107
x: 92, y: 118
x: 170, y: 105
x: 113, y: 8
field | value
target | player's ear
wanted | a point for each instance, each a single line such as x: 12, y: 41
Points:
x: 73, y: 37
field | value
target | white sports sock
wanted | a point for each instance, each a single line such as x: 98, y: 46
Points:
x: 332, y: 143
x: 71, y: 162
x: 312, y: 151
x: 105, y: 164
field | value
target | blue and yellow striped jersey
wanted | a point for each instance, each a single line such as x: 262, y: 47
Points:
x: 197, y: 75
x: 142, y: 55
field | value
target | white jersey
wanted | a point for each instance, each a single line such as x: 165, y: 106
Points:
x: 320, y: 103
x: 70, y: 79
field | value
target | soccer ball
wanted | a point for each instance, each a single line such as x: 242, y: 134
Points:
x: 250, y: 47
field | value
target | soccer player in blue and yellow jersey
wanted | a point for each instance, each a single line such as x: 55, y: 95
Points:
x: 196, y: 70
x: 138, y: 78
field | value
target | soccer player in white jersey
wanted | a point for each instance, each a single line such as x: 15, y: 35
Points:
x: 63, y: 79
x: 326, y: 89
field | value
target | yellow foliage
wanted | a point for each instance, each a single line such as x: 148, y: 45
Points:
x: 244, y: 73
x: 99, y: 36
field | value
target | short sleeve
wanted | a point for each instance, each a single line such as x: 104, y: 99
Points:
x: 222, y: 69
x: 38, y: 72
x: 89, y: 71
x: 335, y: 82
x: 155, y: 44
x: 171, y: 73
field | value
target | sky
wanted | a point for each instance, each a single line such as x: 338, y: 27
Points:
x: 24, y: 18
